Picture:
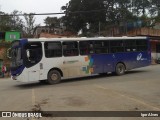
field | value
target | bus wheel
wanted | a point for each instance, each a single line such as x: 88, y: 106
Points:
x: 120, y: 69
x: 54, y: 77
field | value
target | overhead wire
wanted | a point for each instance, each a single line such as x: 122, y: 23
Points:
x: 75, y: 12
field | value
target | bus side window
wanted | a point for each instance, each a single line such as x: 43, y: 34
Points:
x: 53, y: 49
x: 101, y: 47
x: 91, y: 47
x: 86, y: 47
x: 130, y: 45
x: 70, y: 49
x: 141, y: 45
x: 116, y: 46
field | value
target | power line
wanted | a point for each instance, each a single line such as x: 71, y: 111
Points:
x: 32, y: 14
x: 75, y: 12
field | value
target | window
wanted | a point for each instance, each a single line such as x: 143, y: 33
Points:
x: 86, y: 47
x: 101, y: 47
x: 141, y: 45
x: 130, y: 45
x: 70, y: 49
x: 12, y: 36
x: 33, y: 53
x: 116, y: 46
x: 158, y: 48
x: 53, y: 49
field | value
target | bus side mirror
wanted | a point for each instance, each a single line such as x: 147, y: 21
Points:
x: 9, y: 53
x: 28, y: 54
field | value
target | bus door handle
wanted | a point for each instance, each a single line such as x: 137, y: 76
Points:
x: 34, y: 71
x: 41, y: 65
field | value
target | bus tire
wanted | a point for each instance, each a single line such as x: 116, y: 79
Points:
x: 54, y: 77
x: 120, y: 69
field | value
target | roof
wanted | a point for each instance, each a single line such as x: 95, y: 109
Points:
x: 84, y: 39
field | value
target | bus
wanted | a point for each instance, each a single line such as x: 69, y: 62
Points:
x: 54, y: 59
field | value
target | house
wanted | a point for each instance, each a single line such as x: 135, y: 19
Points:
x: 65, y: 34
x: 154, y: 35
x: 12, y: 35
x: 49, y: 30
x: 9, y: 36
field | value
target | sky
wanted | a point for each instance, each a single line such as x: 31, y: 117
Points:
x: 33, y: 6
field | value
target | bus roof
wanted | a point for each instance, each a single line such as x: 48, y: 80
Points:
x: 84, y: 39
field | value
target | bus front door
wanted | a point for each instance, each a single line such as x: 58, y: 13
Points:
x: 33, y: 75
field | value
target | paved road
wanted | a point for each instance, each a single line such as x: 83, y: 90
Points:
x: 138, y: 90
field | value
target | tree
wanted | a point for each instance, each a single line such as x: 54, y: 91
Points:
x: 52, y: 21
x: 141, y: 6
x: 5, y: 21
x: 155, y: 11
x: 30, y: 24
x: 17, y: 23
x: 79, y: 13
x: 9, y: 22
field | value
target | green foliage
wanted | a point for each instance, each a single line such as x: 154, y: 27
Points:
x: 52, y: 22
x: 30, y: 24
x: 16, y: 23
x: 79, y: 13
x: 77, y: 21
x: 9, y: 23
x: 141, y: 6
x: 4, y: 22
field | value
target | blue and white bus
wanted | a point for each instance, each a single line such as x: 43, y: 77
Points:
x: 54, y: 59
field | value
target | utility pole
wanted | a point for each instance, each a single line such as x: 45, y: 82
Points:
x: 99, y: 28
x: 99, y: 24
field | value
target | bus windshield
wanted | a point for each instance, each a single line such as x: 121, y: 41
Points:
x: 16, y: 57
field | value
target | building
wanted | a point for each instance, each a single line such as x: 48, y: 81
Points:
x: 12, y: 35
x: 48, y: 30
x: 154, y: 35
x: 9, y: 36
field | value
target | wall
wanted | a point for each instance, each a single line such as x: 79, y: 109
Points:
x: 144, y: 32
x: 2, y: 52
